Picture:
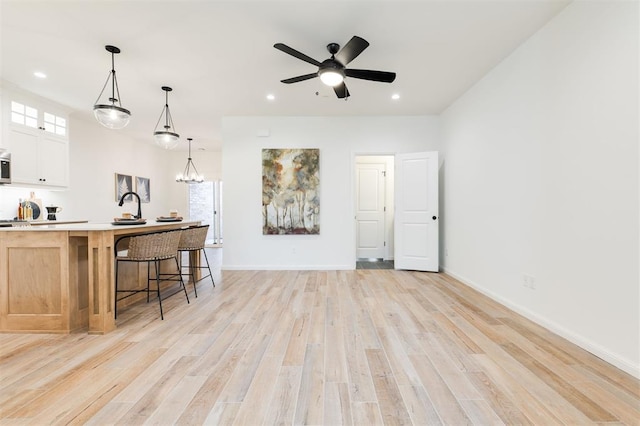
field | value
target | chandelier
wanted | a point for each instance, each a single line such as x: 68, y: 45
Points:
x: 190, y: 173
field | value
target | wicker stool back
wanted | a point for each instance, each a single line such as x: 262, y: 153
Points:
x: 193, y: 240
x: 150, y: 248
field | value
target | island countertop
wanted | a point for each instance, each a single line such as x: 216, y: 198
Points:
x: 84, y: 226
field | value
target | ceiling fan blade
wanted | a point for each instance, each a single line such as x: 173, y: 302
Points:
x: 341, y: 90
x: 383, y: 76
x: 351, y: 50
x: 299, y: 78
x: 295, y: 53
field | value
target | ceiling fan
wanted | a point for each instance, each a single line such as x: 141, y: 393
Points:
x: 333, y: 71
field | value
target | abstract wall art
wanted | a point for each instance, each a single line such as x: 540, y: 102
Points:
x: 290, y: 191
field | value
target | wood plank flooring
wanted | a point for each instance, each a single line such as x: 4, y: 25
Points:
x: 360, y: 347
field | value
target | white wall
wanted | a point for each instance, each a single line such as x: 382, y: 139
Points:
x: 541, y: 178
x: 96, y: 154
x: 339, y: 140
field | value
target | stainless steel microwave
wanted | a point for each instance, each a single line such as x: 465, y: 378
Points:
x: 5, y: 167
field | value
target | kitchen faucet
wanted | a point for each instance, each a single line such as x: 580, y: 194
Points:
x: 139, y: 215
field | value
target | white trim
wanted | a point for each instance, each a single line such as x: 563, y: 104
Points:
x: 288, y: 267
x: 595, y: 349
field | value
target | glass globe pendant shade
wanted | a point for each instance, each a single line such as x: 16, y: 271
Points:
x: 111, y: 116
x: 166, y: 139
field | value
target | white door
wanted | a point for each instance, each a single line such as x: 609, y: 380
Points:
x: 370, y: 210
x: 416, y: 211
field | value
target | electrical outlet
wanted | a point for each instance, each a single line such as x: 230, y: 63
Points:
x: 446, y: 252
x: 293, y: 250
x: 528, y: 281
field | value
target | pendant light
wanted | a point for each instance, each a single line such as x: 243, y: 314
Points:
x: 190, y: 173
x: 111, y: 115
x: 166, y: 138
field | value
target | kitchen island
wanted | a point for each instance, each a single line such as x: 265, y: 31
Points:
x: 59, y: 278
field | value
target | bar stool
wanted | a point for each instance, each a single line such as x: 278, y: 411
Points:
x: 151, y: 248
x: 193, y: 240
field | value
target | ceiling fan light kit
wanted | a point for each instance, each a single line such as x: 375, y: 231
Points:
x: 333, y: 71
x: 166, y: 138
x: 111, y: 115
x: 330, y: 77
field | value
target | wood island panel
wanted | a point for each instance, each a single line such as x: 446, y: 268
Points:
x: 34, y: 282
x: 78, y: 282
x: 42, y: 268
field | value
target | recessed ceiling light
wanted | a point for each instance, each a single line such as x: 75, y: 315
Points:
x: 40, y: 74
x: 395, y: 96
x: 271, y: 97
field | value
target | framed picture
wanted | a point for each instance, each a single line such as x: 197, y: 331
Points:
x: 143, y: 189
x: 123, y: 185
x: 290, y: 191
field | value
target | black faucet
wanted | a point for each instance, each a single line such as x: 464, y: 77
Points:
x: 139, y: 215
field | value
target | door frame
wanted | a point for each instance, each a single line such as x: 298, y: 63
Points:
x: 389, y: 248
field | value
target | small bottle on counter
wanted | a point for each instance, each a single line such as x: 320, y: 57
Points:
x: 29, y: 211
x: 20, y: 210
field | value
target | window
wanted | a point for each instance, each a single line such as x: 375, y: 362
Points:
x: 55, y: 124
x: 24, y: 114
x: 205, y: 205
x: 28, y: 116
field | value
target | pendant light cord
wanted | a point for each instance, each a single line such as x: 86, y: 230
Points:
x: 186, y: 174
x: 114, y: 85
x: 168, y: 118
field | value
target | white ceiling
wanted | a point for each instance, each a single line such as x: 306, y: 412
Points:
x: 218, y: 56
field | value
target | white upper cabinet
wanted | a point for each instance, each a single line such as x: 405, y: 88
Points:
x: 37, y: 136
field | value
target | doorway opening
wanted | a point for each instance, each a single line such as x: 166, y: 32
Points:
x: 205, y: 205
x: 374, y: 264
x: 374, y: 201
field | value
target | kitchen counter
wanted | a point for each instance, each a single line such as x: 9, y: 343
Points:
x: 59, y: 277
x: 83, y: 225
x: 56, y: 222
x: 23, y: 223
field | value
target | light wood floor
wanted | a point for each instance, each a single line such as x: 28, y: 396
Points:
x: 314, y: 347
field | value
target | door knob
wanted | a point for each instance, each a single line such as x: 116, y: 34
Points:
x: 434, y: 218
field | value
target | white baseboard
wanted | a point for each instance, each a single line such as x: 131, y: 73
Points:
x: 288, y: 267
x: 597, y: 350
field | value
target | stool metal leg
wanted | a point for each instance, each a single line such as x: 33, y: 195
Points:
x: 115, y: 305
x: 157, y: 265
x: 184, y: 287
x: 149, y: 278
x: 208, y: 267
x: 193, y: 275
